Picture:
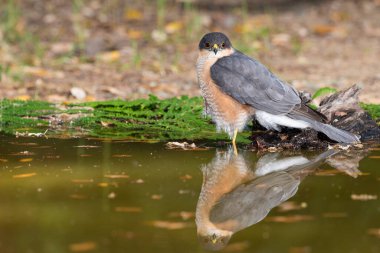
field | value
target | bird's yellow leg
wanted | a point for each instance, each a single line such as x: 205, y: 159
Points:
x: 234, y: 141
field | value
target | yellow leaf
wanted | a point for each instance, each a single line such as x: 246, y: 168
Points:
x: 110, y: 56
x: 133, y: 14
x: 23, y: 97
x: 82, y: 246
x: 363, y: 197
x: 173, y: 27
x: 39, y: 72
x: 24, y: 175
x: 26, y: 160
x: 90, y: 98
x: 103, y: 184
x: 116, y: 176
x: 3, y: 160
x: 82, y: 181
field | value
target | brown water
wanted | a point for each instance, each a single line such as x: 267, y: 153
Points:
x: 82, y: 195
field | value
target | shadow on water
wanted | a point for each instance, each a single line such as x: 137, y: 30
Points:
x: 80, y: 195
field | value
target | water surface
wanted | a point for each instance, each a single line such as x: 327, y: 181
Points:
x: 79, y: 195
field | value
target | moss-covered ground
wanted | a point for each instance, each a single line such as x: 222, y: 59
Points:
x: 144, y: 119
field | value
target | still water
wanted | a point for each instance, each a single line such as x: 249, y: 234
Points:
x: 79, y: 195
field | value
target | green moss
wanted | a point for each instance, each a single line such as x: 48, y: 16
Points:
x: 24, y: 115
x: 323, y: 91
x: 169, y: 119
x: 372, y: 109
x: 144, y: 119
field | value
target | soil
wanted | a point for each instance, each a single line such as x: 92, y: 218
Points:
x: 115, y: 49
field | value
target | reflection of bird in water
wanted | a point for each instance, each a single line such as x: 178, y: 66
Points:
x: 234, y: 197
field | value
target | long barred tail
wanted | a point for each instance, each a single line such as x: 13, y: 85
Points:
x: 335, y: 133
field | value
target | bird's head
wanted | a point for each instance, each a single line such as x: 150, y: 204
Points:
x: 215, y: 42
x: 215, y: 240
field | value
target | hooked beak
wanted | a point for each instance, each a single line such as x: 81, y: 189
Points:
x: 215, y: 48
x: 214, y: 238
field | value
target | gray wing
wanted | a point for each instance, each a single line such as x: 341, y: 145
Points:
x: 250, y: 203
x: 251, y: 83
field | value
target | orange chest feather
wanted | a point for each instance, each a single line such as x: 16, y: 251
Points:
x: 223, y: 103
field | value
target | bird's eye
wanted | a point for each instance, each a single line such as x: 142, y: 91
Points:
x: 223, y: 45
x: 207, y: 45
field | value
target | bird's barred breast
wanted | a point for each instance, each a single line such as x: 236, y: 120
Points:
x: 226, y: 112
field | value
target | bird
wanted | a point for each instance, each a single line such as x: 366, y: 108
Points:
x: 236, y: 87
x: 238, y: 192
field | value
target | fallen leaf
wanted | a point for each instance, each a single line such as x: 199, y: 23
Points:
x: 139, y: 181
x: 86, y: 146
x: 26, y: 152
x: 170, y: 225
x: 281, y: 39
x: 133, y: 14
x: 323, y: 29
x: 23, y: 97
x: 103, y: 184
x: 116, y: 176
x: 52, y: 156
x: 110, y: 56
x: 290, y: 219
x: 26, y: 160
x: 78, y: 93
x: 86, y: 155
x: 363, y: 197
x: 128, y: 209
x: 135, y: 34
x: 78, y: 196
x: 3, y: 160
x: 374, y: 157
x: 183, y: 145
x: 186, y: 177
x: 374, y: 232
x: 183, y: 214
x: 291, y: 205
x: 173, y: 27
x: 107, y: 124
x: 111, y: 195
x: 39, y: 72
x: 159, y: 36
x: 82, y: 181
x: 335, y: 215
x: 24, y: 175
x: 82, y: 246
x: 305, y: 249
x: 121, y: 155
x: 156, y: 197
